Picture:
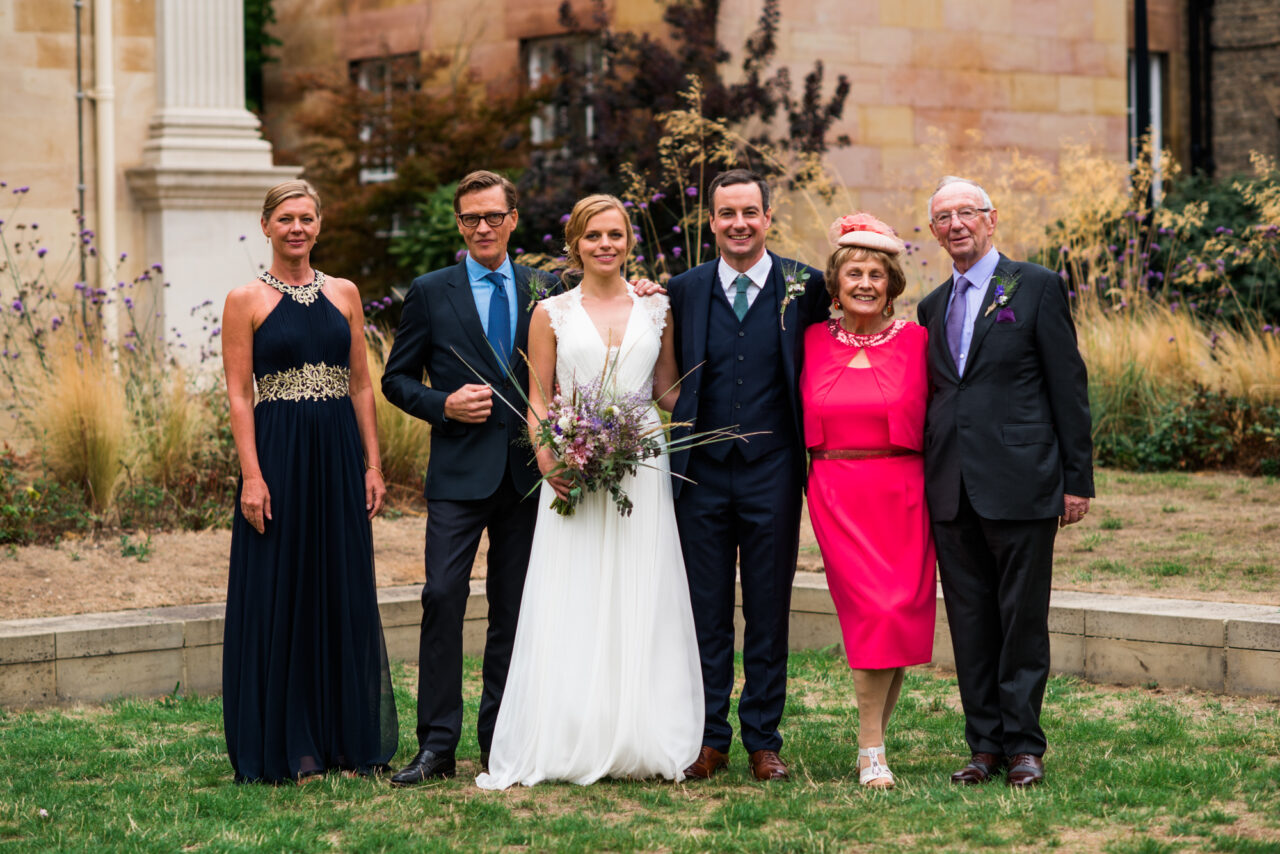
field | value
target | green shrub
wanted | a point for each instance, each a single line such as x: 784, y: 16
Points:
x: 1209, y: 430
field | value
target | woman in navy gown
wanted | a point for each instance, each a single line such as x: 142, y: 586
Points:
x: 305, y: 683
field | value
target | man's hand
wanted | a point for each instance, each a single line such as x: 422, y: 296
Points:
x: 470, y: 404
x: 647, y: 287
x: 1074, y: 508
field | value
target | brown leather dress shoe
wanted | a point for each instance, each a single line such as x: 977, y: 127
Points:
x: 1025, y: 770
x: 709, y: 761
x: 981, y: 768
x: 768, y: 765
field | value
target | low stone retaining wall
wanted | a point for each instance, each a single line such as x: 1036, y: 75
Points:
x: 1100, y: 637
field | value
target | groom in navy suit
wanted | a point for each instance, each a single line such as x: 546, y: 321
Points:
x: 739, y: 331
x: 481, y: 467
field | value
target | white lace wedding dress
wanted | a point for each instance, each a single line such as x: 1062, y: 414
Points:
x: 604, y: 679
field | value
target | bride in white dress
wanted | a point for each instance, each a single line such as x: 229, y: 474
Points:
x: 605, y: 679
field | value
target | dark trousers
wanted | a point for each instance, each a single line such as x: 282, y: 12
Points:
x: 996, y: 577
x: 453, y: 536
x: 747, y: 513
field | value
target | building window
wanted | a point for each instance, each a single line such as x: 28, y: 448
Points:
x: 385, y: 76
x: 1159, y: 63
x: 578, y: 61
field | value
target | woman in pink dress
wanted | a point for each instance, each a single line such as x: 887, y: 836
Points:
x: 864, y: 388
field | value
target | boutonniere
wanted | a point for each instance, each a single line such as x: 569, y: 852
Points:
x: 793, y: 285
x: 1005, y: 289
x: 539, y: 289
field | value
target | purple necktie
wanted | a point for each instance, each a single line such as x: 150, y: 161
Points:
x: 955, y: 319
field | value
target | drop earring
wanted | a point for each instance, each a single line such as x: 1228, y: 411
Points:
x: 888, y: 309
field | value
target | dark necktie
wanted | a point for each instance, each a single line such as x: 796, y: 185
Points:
x: 955, y: 320
x: 499, y: 319
x: 740, y: 305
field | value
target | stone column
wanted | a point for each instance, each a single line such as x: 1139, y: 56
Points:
x: 204, y: 170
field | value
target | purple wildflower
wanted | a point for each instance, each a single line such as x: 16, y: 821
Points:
x: 691, y: 191
x: 657, y: 197
x: 41, y: 252
x: 676, y: 229
x: 55, y: 322
x: 17, y: 306
x: 676, y: 251
x: 564, y: 219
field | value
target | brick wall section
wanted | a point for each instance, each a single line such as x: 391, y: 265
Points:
x: 1246, y: 82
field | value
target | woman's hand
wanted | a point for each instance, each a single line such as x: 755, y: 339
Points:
x: 375, y: 492
x: 548, y: 463
x: 255, y: 503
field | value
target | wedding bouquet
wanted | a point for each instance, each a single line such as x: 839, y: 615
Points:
x: 599, y: 438
x: 600, y: 435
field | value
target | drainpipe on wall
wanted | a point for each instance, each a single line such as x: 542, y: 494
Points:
x: 104, y: 119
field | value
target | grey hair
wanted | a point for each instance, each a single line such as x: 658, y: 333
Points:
x: 954, y: 179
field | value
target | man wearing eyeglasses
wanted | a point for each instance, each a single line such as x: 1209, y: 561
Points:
x: 1008, y: 460
x: 468, y: 318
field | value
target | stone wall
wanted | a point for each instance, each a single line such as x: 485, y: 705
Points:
x: 38, y: 133
x: 1246, y: 82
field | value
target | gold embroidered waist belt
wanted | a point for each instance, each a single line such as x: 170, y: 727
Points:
x: 309, y: 382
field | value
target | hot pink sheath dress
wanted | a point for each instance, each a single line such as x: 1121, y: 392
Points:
x: 869, y: 514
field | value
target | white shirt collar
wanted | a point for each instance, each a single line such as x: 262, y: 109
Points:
x: 758, y: 274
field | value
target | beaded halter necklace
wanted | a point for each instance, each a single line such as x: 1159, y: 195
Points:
x: 302, y: 294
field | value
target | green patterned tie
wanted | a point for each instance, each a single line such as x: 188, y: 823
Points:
x: 740, y: 301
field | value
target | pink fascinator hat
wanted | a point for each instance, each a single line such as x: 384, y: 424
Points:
x: 862, y: 229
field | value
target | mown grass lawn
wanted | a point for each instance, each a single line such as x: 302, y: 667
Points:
x: 1130, y: 770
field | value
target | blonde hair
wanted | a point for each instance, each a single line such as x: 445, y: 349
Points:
x: 844, y: 254
x: 582, y: 213
x: 281, y: 193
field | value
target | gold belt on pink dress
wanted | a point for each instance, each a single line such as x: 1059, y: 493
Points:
x: 858, y: 453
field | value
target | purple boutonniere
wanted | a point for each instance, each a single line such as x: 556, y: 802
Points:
x: 1005, y: 289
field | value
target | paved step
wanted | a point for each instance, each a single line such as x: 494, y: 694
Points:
x: 1133, y: 640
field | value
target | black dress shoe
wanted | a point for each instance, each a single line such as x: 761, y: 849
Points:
x: 981, y: 768
x: 425, y: 766
x: 484, y: 761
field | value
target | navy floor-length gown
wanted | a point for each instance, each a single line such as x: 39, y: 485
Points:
x: 305, y: 683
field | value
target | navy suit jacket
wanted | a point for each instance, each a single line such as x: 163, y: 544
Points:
x: 691, y: 293
x: 1015, y: 428
x: 440, y: 334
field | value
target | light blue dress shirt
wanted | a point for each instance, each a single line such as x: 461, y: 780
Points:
x: 979, y: 277
x: 482, y: 290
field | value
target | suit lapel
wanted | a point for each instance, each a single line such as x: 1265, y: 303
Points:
x: 986, y: 319
x: 938, y: 333
x: 698, y: 301
x: 786, y: 336
x: 464, y: 307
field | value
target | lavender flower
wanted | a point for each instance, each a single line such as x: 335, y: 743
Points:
x: 691, y: 191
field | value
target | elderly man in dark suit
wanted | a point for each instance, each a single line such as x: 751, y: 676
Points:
x: 739, y: 332
x: 480, y: 469
x: 1008, y: 459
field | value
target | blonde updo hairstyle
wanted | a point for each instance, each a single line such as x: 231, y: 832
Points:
x: 281, y: 193
x: 582, y: 213
x: 844, y: 254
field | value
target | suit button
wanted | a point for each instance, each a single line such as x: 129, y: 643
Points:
x: 742, y: 334
x: 502, y: 424
x: 737, y: 406
x: 962, y: 386
x: 739, y: 382
x: 740, y: 358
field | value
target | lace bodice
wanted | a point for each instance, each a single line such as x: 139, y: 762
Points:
x: 582, y: 356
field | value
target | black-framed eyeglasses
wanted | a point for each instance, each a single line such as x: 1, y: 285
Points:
x: 964, y: 214
x: 494, y: 219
